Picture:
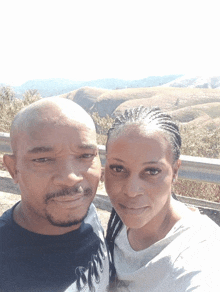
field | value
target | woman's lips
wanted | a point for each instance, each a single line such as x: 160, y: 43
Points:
x: 132, y: 210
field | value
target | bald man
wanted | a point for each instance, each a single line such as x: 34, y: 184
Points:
x: 52, y: 239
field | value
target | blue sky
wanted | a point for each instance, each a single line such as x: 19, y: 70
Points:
x: 84, y: 40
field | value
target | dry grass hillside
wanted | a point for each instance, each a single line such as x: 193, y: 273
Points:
x: 85, y: 96
x: 202, y: 112
x: 173, y: 98
x: 106, y: 102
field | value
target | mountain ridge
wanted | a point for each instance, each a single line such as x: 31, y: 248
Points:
x: 194, y: 81
x: 58, y: 86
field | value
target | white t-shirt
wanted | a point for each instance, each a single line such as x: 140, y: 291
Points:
x: 187, y: 259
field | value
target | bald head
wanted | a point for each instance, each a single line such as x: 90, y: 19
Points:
x: 52, y: 110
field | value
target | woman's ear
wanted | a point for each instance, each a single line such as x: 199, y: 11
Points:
x: 176, y: 167
x: 10, y: 163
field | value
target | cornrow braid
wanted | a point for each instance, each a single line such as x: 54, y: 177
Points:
x: 156, y: 119
x: 114, y: 226
x: 152, y: 117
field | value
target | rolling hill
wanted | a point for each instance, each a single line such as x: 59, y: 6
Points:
x: 112, y: 102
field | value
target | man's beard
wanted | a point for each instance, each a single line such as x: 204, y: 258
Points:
x: 68, y: 192
x: 69, y: 223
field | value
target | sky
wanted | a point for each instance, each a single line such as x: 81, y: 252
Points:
x: 92, y: 39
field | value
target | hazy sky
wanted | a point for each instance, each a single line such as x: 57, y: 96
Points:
x: 84, y: 40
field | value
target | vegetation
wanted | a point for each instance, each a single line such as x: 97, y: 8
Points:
x: 201, y: 140
x: 10, y: 105
x: 102, y: 127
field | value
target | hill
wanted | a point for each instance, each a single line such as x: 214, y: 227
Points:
x: 58, y: 86
x: 197, y: 108
x: 85, y: 97
x: 172, y: 98
x: 111, y: 102
x: 195, y: 82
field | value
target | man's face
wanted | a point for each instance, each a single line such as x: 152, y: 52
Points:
x: 58, y: 170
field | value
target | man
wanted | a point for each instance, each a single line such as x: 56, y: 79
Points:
x: 52, y: 239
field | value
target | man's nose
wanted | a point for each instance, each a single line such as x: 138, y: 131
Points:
x: 68, y: 174
x: 134, y: 186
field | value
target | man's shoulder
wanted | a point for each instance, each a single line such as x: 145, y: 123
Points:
x: 6, y: 217
x: 6, y: 226
x: 93, y: 219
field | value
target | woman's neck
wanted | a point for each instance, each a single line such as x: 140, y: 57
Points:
x: 153, y: 231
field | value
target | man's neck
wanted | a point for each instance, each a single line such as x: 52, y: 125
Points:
x: 38, y: 224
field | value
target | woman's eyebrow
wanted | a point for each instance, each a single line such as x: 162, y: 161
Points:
x: 150, y: 162
x: 117, y: 159
x: 153, y: 162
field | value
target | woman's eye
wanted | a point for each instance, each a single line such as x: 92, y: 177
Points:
x: 152, y: 171
x: 117, y: 168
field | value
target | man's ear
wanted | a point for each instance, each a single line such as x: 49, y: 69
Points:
x: 176, y: 167
x: 10, y: 163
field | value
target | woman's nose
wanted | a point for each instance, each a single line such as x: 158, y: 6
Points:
x: 68, y: 174
x: 134, y: 186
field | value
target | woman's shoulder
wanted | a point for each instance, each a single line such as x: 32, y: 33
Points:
x: 192, y: 218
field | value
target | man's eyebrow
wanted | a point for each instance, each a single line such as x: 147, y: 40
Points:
x: 40, y: 150
x: 88, y: 146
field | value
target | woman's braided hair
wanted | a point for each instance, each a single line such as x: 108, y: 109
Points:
x: 154, y: 119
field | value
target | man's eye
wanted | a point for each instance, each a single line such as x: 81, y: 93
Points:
x: 152, y: 171
x: 87, y: 155
x: 117, y: 168
x: 42, y: 160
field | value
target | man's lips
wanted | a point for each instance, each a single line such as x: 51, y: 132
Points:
x: 69, y: 201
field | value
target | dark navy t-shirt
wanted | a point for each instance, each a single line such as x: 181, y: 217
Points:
x: 35, y: 262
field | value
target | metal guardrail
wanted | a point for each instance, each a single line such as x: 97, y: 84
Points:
x: 192, y: 168
x: 5, y: 142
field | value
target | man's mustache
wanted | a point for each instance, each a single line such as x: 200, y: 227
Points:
x: 69, y: 192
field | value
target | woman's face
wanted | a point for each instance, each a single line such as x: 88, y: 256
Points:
x: 138, y: 176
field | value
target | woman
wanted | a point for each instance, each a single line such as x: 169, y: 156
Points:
x: 157, y: 243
